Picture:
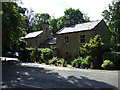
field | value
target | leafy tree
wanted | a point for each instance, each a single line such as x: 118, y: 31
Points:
x: 75, y: 16
x: 13, y: 24
x: 53, y: 25
x: 38, y: 21
x: 94, y: 48
x: 71, y: 17
x: 60, y: 23
x: 112, y: 17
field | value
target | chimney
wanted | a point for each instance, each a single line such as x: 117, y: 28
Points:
x: 45, y: 26
x: 67, y: 23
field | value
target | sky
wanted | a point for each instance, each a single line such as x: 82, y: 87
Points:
x: 56, y: 8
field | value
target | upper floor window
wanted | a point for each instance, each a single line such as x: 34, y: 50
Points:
x: 66, y: 39
x: 82, y: 38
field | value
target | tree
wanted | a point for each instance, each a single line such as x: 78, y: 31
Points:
x: 71, y: 17
x: 13, y: 24
x: 38, y: 20
x: 53, y: 25
x: 75, y: 16
x: 94, y: 48
x: 112, y: 17
x: 60, y: 23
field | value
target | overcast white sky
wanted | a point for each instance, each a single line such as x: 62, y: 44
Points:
x: 56, y: 8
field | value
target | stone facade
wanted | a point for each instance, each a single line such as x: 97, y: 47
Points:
x: 68, y: 44
x: 69, y: 40
x: 37, y: 41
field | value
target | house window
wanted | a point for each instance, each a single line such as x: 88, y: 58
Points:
x: 66, y: 39
x: 82, y: 38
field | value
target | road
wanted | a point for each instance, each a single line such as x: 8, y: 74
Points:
x: 30, y: 75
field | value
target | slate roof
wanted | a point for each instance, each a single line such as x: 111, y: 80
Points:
x: 79, y: 27
x: 50, y: 41
x: 32, y: 34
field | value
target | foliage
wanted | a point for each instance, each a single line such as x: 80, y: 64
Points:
x: 23, y: 44
x: 115, y: 47
x: 56, y: 61
x: 74, y: 16
x: 53, y: 25
x: 76, y: 62
x: 107, y: 64
x: 112, y: 17
x: 114, y: 57
x: 94, y: 48
x: 38, y: 20
x: 47, y: 53
x: 71, y: 17
x: 110, y: 56
x: 24, y: 55
x: 87, y: 61
x: 13, y: 24
x: 60, y: 61
x: 36, y: 55
x: 60, y: 23
x: 53, y: 60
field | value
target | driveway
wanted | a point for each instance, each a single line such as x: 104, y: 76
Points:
x: 30, y: 75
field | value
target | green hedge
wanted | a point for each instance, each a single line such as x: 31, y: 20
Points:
x: 35, y: 54
x: 46, y: 54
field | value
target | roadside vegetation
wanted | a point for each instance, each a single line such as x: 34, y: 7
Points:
x: 94, y: 54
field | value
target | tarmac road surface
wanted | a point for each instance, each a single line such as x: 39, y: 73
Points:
x: 31, y: 75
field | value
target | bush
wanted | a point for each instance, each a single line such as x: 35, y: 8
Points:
x: 107, y: 64
x: 110, y: 56
x: 87, y: 62
x: 46, y: 54
x: 24, y: 55
x: 35, y: 55
x: 53, y: 60
x: 95, y: 47
x: 60, y: 61
x: 56, y: 61
x: 77, y: 62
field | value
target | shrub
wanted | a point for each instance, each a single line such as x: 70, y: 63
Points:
x: 47, y: 53
x: 76, y: 62
x: 35, y: 55
x: 60, y: 61
x: 56, y: 61
x: 87, y: 62
x: 110, y: 56
x: 53, y: 60
x: 107, y: 64
x: 24, y: 55
x: 95, y: 48
x: 114, y: 57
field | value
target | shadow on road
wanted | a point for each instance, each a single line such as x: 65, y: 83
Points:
x: 34, y: 77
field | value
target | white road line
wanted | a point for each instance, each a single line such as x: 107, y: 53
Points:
x: 31, y: 86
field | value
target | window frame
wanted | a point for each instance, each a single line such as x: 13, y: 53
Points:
x: 82, y: 39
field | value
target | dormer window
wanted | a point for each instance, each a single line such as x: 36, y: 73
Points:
x: 82, y: 38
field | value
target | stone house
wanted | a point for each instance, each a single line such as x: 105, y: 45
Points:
x: 70, y: 39
x: 40, y: 39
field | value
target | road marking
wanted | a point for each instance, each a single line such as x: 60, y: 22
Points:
x: 31, y: 86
